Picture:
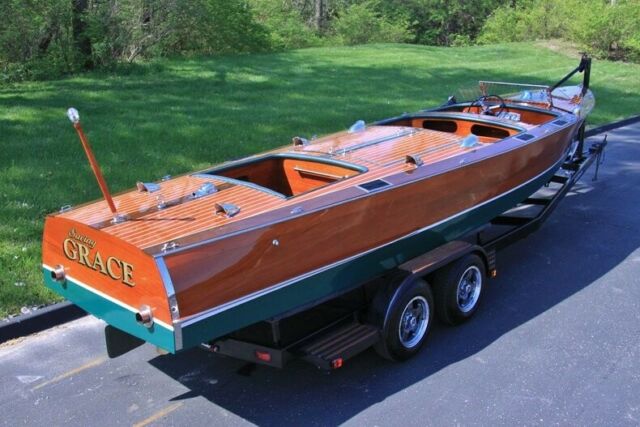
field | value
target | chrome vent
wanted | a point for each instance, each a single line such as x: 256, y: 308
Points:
x: 525, y: 137
x: 373, y: 185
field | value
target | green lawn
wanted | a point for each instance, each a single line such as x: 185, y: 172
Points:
x: 173, y: 116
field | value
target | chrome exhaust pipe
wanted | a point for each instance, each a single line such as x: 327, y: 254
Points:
x: 144, y: 316
x: 58, y: 274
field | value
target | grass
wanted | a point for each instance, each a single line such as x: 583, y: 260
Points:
x: 173, y: 116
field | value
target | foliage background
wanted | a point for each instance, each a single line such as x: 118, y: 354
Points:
x: 40, y: 39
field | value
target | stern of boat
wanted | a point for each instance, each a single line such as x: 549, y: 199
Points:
x: 110, y: 279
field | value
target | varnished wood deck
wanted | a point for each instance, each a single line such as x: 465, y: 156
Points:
x: 149, y: 226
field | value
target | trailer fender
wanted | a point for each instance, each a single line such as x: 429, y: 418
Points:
x: 425, y: 264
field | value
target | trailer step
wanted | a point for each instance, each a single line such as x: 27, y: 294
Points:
x: 536, y: 201
x: 571, y: 166
x: 330, y: 350
x: 510, y: 220
x: 559, y: 179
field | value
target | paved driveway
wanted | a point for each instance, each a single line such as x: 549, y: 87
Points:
x: 557, y: 341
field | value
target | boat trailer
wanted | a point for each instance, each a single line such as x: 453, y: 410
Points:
x: 327, y: 333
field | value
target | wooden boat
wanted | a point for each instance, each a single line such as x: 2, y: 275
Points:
x: 189, y: 259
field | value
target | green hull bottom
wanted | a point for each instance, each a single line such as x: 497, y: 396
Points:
x: 114, y: 314
x: 344, y: 276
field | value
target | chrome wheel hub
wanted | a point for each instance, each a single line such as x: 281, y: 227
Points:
x: 413, y: 322
x: 469, y: 288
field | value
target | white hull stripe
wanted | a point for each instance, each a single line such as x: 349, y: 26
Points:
x: 108, y: 298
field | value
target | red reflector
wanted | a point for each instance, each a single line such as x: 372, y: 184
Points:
x: 263, y: 355
x: 337, y: 363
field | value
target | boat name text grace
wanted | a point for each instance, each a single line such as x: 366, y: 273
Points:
x: 78, y: 247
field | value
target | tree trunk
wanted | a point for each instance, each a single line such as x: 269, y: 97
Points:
x: 80, y: 39
x: 319, y: 14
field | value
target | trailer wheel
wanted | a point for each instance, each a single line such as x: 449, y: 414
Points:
x: 407, y: 314
x: 458, y: 289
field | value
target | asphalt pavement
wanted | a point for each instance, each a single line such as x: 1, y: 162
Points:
x: 556, y: 342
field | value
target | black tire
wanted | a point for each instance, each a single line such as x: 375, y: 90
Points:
x: 451, y: 307
x: 390, y: 305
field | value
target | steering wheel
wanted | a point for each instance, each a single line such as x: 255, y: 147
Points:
x: 490, y: 105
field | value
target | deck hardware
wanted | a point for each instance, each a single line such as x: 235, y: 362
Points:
x: 228, y: 209
x: 65, y: 208
x: 525, y: 137
x: 297, y: 210
x: 275, y: 242
x: 166, y: 178
x: 161, y: 202
x: 298, y: 141
x: 144, y: 316
x: 470, y: 141
x: 373, y: 185
x: 413, y: 159
x: 463, y: 161
x: 204, y: 190
x: 169, y: 246
x: 118, y: 218
x: 148, y: 187
x: 58, y: 274
x: 358, y: 126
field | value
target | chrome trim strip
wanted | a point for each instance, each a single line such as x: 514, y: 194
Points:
x: 168, y: 287
x: 177, y: 336
x: 173, y: 302
x: 405, y: 132
x: 287, y: 155
x: 108, y: 298
x: 190, y: 320
x: 239, y: 182
x: 325, y: 160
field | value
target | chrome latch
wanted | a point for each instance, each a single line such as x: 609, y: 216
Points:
x: 413, y: 159
x: 227, y: 209
x: 204, y: 190
x: 148, y: 187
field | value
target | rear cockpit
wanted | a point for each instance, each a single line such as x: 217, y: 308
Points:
x: 286, y: 175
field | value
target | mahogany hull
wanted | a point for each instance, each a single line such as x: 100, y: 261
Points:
x: 402, y: 222
x: 200, y: 275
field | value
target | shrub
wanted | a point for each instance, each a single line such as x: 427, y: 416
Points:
x: 530, y: 20
x: 604, y: 29
x: 35, y: 40
x: 608, y: 31
x: 362, y: 23
x: 284, y: 24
